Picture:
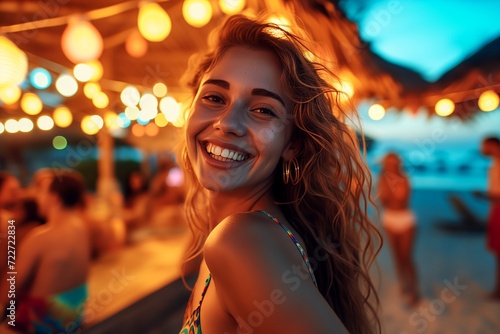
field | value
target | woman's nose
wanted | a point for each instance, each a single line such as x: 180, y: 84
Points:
x: 231, y: 121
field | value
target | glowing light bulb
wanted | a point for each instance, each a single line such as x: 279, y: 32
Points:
x: 231, y: 7
x: 81, y: 41
x: 197, y: 13
x: 488, y: 101
x: 444, y: 107
x: 376, y: 112
x: 66, y: 85
x: 31, y: 104
x: 45, y: 123
x: 153, y: 22
x: 62, y: 117
x: 40, y: 78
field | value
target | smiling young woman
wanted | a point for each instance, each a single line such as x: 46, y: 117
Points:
x: 277, y: 192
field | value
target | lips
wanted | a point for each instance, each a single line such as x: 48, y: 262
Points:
x: 225, y: 154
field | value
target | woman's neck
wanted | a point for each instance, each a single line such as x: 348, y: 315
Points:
x: 222, y: 205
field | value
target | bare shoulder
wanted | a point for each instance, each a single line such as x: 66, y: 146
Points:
x: 242, y: 235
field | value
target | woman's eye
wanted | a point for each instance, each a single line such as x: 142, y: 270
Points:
x: 213, y: 98
x: 265, y: 111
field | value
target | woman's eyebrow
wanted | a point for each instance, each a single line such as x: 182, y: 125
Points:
x: 267, y: 93
x: 256, y: 91
x: 221, y: 83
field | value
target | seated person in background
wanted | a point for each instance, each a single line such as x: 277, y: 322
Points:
x: 53, y: 263
x: 136, y: 199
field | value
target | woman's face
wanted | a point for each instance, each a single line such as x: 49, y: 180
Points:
x: 240, y: 122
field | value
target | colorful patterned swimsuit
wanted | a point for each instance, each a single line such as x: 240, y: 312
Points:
x: 192, y: 324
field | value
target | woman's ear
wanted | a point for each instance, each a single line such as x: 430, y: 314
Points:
x: 291, y: 151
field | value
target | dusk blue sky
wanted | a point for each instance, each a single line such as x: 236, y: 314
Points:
x: 428, y: 36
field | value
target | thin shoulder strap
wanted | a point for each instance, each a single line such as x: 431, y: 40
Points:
x: 299, y: 247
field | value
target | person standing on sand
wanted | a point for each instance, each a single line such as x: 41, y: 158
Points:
x: 398, y: 221
x: 491, y: 148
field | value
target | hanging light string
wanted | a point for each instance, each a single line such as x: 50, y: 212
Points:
x: 95, y: 14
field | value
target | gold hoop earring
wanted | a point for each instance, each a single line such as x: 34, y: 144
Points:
x: 291, y: 176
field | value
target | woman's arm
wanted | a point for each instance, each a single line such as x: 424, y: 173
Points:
x: 257, y: 268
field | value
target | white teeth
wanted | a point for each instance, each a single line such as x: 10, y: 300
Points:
x: 224, y: 154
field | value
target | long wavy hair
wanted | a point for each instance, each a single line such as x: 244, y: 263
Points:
x: 328, y: 203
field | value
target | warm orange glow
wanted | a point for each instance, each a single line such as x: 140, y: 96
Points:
x: 81, y: 41
x: 138, y: 130
x: 153, y: 22
x: 197, y: 13
x: 100, y: 100
x: 444, y: 107
x: 31, y: 104
x: 10, y: 94
x: 136, y: 45
x: 13, y: 63
x: 231, y: 7
x: 62, y: 117
x: 151, y: 129
x: 488, y: 101
x: 90, y: 89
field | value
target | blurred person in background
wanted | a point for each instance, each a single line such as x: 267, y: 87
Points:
x: 491, y: 148
x: 28, y: 217
x: 136, y: 199
x: 399, y: 223
x: 10, y: 190
x: 53, y: 263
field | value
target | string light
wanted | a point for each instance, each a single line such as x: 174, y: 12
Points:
x: 81, y: 41
x: 62, y: 117
x: 231, y: 7
x: 376, y: 112
x: 10, y: 94
x: 45, y: 123
x: 13, y: 63
x: 153, y: 22
x: 197, y: 13
x: 488, y: 101
x: 31, y: 104
x: 66, y: 85
x: 40, y: 78
x: 444, y: 107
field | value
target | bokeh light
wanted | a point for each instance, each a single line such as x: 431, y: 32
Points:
x: 148, y: 101
x: 197, y: 13
x: 161, y: 120
x: 89, y: 126
x: 100, y: 100
x: 10, y: 94
x: 171, y: 109
x: 81, y: 41
x: 136, y: 45
x: 151, y: 129
x: 132, y: 113
x: 153, y: 22
x: 231, y: 7
x: 11, y: 126
x: 2, y: 128
x: 66, y: 85
x: 160, y: 89
x: 62, y: 117
x: 13, y: 63
x: 123, y: 121
x: 488, y: 101
x: 45, y: 123
x: 40, y: 78
x: 138, y: 130
x: 130, y: 96
x: 376, y: 112
x: 90, y: 89
x: 444, y: 107
x: 111, y: 120
x: 31, y: 104
x: 82, y: 72
x: 25, y: 125
x: 59, y: 142
x: 96, y: 69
